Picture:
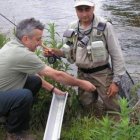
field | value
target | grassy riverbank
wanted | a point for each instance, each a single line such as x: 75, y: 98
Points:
x: 79, y: 124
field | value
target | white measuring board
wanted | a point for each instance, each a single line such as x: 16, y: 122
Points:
x: 55, y: 118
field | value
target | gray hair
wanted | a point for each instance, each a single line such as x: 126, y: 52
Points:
x: 26, y: 27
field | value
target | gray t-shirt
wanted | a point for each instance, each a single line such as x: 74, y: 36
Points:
x: 16, y: 63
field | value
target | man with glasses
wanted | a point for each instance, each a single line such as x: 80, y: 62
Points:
x: 90, y: 42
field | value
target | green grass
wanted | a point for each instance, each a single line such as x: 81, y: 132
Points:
x: 108, y: 128
x: 3, y: 40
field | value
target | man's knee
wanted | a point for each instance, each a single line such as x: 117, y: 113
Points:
x: 22, y: 97
x: 27, y: 95
x: 37, y: 85
x: 14, y: 98
x: 39, y: 81
x: 36, y: 80
x: 34, y: 84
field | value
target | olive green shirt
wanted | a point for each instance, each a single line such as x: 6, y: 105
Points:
x: 16, y: 63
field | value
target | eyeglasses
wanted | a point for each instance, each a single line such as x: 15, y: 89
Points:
x: 83, y: 8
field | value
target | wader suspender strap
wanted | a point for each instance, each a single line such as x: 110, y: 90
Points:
x: 100, y: 28
x: 73, y: 51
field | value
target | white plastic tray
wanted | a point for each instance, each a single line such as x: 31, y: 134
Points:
x: 55, y: 118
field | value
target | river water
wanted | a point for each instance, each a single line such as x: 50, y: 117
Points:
x: 125, y: 15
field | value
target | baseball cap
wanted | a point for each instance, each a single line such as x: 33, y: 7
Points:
x: 84, y: 2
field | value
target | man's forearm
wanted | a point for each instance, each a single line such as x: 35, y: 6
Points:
x: 60, y: 76
x: 66, y: 79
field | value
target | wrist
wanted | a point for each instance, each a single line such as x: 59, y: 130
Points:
x: 51, y: 91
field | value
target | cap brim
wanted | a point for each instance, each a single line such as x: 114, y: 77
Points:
x: 79, y: 3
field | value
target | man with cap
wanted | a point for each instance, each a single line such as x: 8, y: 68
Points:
x: 90, y: 42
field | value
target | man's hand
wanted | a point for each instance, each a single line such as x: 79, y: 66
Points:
x: 113, y: 90
x: 86, y: 85
x: 48, y: 52
x: 52, y: 51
